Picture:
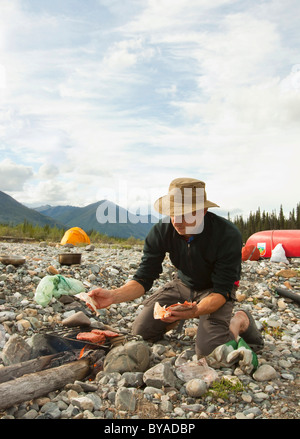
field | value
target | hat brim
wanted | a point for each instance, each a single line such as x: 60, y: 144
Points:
x: 165, y: 205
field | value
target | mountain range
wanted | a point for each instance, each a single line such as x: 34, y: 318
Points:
x: 103, y: 216
x: 12, y: 212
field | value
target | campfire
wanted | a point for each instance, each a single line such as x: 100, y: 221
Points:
x: 64, y: 356
x: 75, y: 339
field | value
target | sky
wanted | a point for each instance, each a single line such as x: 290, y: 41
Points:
x: 113, y: 99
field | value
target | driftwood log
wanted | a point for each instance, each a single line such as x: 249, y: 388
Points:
x: 14, y: 371
x: 34, y: 385
x: 289, y: 294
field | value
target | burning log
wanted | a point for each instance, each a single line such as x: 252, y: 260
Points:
x: 34, y: 385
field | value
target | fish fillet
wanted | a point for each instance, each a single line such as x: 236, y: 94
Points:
x: 163, y: 311
x: 96, y: 335
x: 88, y: 299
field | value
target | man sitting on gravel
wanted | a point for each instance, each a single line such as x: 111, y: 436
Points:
x: 206, y: 250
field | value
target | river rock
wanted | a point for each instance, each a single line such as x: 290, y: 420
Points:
x: 265, y: 373
x: 16, y: 350
x: 131, y: 379
x: 125, y: 399
x: 196, y: 387
x: 159, y: 376
x: 83, y: 402
x: 77, y: 319
x: 134, y: 356
x: 287, y: 273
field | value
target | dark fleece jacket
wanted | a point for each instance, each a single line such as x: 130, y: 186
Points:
x: 211, y: 260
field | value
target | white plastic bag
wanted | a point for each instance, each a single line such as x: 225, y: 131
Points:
x: 187, y: 370
x: 278, y: 254
x: 56, y: 286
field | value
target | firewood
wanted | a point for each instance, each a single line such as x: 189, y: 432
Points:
x: 13, y: 371
x: 34, y: 385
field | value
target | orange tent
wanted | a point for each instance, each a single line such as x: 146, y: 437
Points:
x: 74, y: 236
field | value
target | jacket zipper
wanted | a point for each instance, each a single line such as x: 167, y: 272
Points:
x: 189, y: 259
x: 190, y: 266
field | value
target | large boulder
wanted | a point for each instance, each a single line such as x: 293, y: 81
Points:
x: 133, y: 356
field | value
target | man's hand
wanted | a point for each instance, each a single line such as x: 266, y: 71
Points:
x: 102, y: 298
x: 208, y: 305
x: 191, y: 313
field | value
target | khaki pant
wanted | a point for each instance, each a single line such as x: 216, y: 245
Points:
x: 213, y: 329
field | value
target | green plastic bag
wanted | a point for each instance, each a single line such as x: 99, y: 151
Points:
x: 56, y: 286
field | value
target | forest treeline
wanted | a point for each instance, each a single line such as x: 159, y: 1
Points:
x: 258, y: 221
x: 55, y: 234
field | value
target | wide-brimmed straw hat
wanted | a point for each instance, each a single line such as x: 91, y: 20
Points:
x: 186, y: 195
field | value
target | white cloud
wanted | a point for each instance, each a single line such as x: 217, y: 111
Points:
x: 237, y: 55
x: 13, y: 175
x: 48, y: 171
x: 167, y: 91
x: 122, y: 54
x: 247, y: 110
x: 292, y: 81
x: 46, y: 192
x: 165, y: 14
x: 161, y: 89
